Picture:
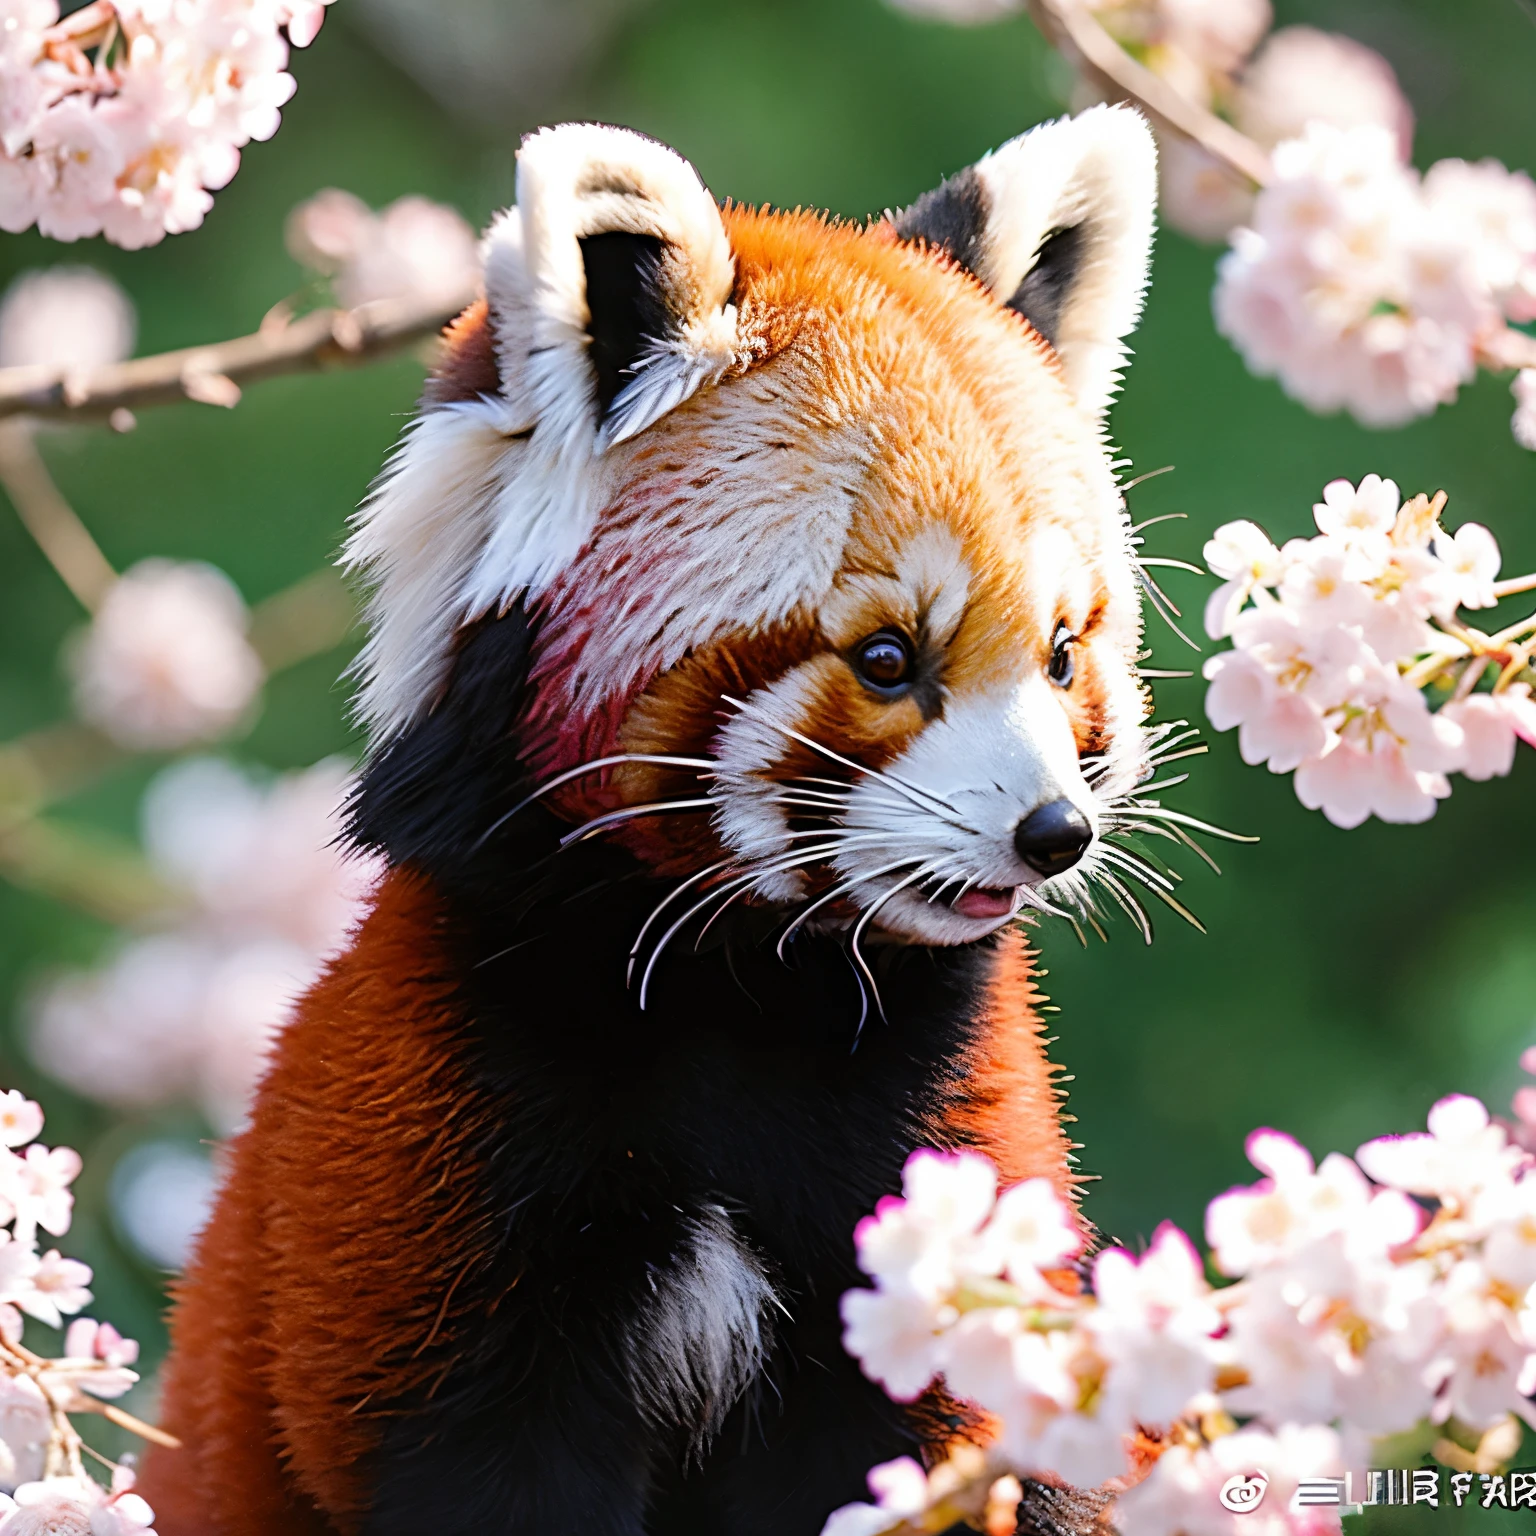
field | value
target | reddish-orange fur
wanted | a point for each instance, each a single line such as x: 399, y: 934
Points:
x: 360, y: 1158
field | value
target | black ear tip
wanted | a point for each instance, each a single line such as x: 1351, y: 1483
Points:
x: 952, y: 218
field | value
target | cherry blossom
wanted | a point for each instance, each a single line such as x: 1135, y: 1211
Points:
x: 45, y: 1488
x: 1523, y: 422
x: 1345, y: 287
x: 1358, y: 1313
x: 20, y: 1119
x: 1301, y: 75
x: 192, y: 1011
x: 1461, y: 1156
x: 65, y: 317
x: 1336, y: 638
x: 25, y: 1425
x: 74, y: 1506
x: 165, y: 662
x: 125, y: 128
x: 414, y: 247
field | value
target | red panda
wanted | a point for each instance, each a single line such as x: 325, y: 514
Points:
x: 752, y: 638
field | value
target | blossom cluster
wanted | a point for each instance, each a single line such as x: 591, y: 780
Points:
x: 189, y: 1011
x: 1369, y: 1297
x: 123, y: 118
x: 1361, y: 285
x: 166, y: 662
x: 1340, y: 640
x: 412, y: 247
x: 1216, y: 54
x: 43, y: 1486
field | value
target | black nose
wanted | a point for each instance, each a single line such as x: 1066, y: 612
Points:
x: 1053, y: 838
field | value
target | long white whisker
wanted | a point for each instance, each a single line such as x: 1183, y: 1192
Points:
x: 1132, y: 908
x: 841, y: 889
x: 1137, y: 868
x: 858, y: 929
x: 745, y: 879
x: 908, y: 791
x: 663, y: 904
x: 580, y: 771
x: 1158, y: 813
x: 613, y: 818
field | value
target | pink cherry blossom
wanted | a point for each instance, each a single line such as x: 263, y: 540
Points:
x: 1523, y: 422
x: 75, y: 1506
x: 1328, y: 666
x: 1497, y: 208
x: 37, y: 1185
x: 25, y: 1424
x: 1032, y: 1228
x: 1462, y: 1155
x: 414, y: 247
x: 190, y: 1013
x: 1346, y: 290
x: 21, y: 1119
x: 65, y: 317
x: 1470, y: 557
x: 166, y: 662
x: 1491, y: 725
x: 1153, y: 1323
x: 891, y: 1335
x: 133, y: 145
x: 60, y: 1286
x: 1244, y: 556
x: 1302, y: 75
x: 1360, y: 519
x: 1485, y: 1362
x: 919, y: 1242
x: 1259, y: 1224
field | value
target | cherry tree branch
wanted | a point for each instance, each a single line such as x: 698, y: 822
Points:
x: 1072, y: 29
x: 48, y: 517
x: 215, y: 374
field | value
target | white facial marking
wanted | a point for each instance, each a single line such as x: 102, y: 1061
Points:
x: 970, y: 778
x: 702, y: 1335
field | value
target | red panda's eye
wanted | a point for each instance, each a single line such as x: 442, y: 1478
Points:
x: 884, y: 660
x: 1061, y: 668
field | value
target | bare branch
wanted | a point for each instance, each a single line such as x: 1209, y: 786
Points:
x: 1071, y: 28
x: 322, y: 339
x: 49, y: 518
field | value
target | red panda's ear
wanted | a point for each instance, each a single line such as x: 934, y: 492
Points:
x: 609, y: 283
x: 1058, y: 224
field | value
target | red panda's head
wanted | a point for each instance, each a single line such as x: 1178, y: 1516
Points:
x: 824, y: 512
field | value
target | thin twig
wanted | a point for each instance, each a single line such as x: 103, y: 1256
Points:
x: 324, y: 338
x: 135, y: 1426
x: 1515, y: 584
x: 1070, y: 27
x: 49, y: 518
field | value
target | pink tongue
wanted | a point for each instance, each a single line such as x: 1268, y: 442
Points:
x: 985, y: 903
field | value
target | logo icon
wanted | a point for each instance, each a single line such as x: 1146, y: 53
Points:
x: 1244, y: 1492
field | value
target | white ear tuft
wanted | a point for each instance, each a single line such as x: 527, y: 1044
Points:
x: 1058, y: 224
x: 609, y: 282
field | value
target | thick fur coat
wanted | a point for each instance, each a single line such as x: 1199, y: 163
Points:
x: 753, y: 636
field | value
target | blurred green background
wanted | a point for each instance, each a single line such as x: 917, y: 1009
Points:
x: 1347, y: 979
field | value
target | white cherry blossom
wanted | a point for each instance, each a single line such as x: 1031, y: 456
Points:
x: 165, y: 662
x: 1335, y: 638
x: 1463, y: 1155
x: 131, y: 146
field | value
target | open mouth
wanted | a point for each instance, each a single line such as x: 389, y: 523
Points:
x: 986, y: 901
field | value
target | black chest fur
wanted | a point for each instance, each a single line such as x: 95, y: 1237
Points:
x: 651, y: 1177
